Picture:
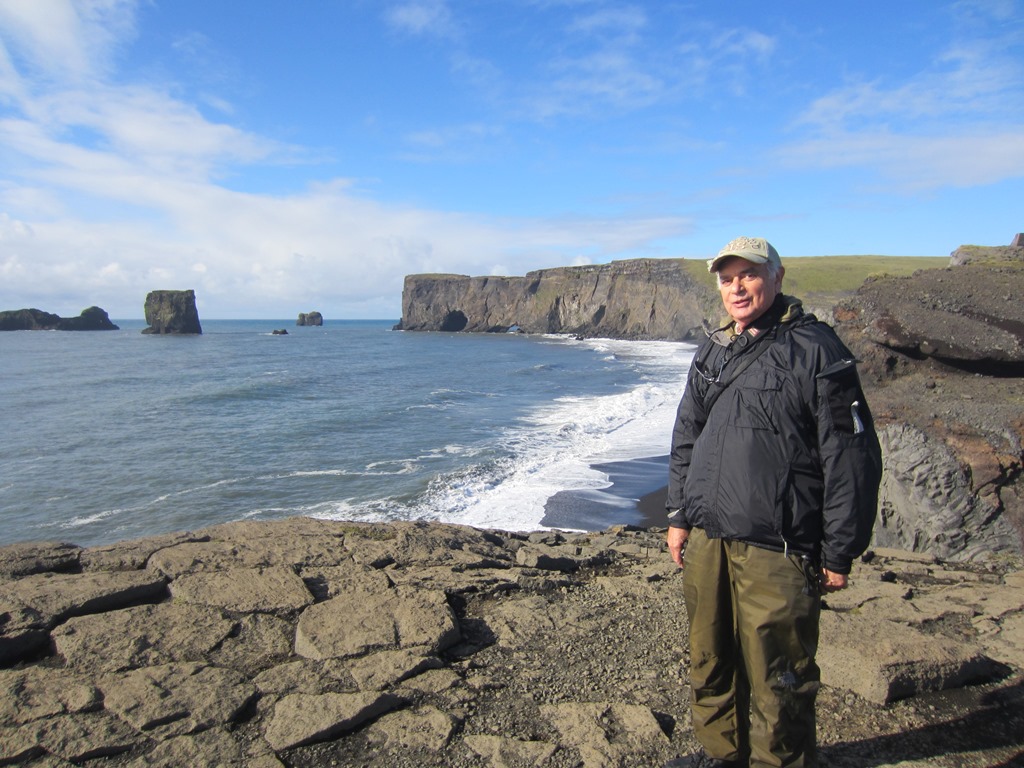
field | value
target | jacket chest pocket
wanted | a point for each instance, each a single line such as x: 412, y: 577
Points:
x: 754, y: 399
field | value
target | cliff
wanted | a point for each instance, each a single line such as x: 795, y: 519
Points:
x: 306, y: 642
x: 635, y: 299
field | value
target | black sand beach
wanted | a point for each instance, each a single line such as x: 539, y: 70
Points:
x: 636, y: 496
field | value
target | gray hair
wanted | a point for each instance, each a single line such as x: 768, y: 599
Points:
x: 771, y: 271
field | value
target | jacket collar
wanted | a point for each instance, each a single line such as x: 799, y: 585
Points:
x: 785, y: 309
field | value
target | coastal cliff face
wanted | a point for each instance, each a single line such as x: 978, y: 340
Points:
x: 635, y: 299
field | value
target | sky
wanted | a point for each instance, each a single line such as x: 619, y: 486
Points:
x: 284, y: 157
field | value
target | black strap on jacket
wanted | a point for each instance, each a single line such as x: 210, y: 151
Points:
x: 772, y: 326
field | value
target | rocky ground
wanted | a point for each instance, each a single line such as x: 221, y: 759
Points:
x: 311, y: 643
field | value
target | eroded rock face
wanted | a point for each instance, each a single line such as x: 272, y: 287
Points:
x: 942, y: 359
x: 172, y: 312
x: 640, y: 298
x: 310, y: 318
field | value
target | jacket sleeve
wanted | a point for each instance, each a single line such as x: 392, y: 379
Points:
x: 851, y: 461
x: 690, y: 419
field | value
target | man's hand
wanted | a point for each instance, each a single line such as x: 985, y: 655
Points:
x: 676, y: 541
x: 832, y: 581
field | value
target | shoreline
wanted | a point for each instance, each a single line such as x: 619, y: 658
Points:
x: 635, y: 496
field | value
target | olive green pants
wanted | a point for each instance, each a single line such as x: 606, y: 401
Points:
x: 753, y: 638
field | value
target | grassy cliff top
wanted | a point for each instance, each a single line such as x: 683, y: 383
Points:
x: 826, y: 279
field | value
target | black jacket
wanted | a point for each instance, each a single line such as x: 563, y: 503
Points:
x: 783, y: 456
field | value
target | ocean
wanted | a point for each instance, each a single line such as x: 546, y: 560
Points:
x: 116, y: 435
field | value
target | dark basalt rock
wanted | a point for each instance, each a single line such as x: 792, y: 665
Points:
x: 942, y: 359
x: 172, y: 312
x: 91, y: 319
x: 965, y: 317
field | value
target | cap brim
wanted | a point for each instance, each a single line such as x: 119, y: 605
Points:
x: 753, y: 258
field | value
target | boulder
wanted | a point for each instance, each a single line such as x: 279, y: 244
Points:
x: 172, y: 312
x: 310, y: 318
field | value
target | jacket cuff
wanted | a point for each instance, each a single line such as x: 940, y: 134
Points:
x: 676, y: 519
x: 835, y: 564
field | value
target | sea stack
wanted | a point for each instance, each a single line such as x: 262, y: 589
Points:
x: 91, y: 319
x: 172, y: 312
x: 310, y: 318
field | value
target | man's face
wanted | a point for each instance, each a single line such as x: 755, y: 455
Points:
x: 747, y: 291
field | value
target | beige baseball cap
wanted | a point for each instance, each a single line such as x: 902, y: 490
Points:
x: 756, y: 250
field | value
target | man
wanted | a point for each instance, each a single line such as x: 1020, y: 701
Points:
x: 773, y: 488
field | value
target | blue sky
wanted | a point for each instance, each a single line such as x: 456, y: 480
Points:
x: 284, y: 157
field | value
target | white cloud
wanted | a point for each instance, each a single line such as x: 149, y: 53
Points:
x: 622, y: 23
x: 67, y: 39
x: 958, y: 122
x: 423, y: 17
x: 914, y: 163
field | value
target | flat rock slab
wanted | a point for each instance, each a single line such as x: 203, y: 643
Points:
x: 885, y: 660
x: 175, y: 699
x: 609, y: 735
x: 131, y: 555
x: 35, y: 693
x: 143, y: 636
x: 381, y: 670
x: 426, y: 728
x: 305, y: 719
x: 22, y: 631
x: 506, y: 753
x: 58, y: 596
x: 257, y: 641
x: 38, y: 557
x: 84, y: 737
x: 305, y: 676
x: 351, y: 625
x: 275, y: 589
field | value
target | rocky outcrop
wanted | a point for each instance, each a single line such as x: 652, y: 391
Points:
x: 636, y: 299
x: 172, y: 312
x: 990, y: 254
x: 967, y: 318
x: 91, y: 319
x: 308, y: 642
x: 942, y: 358
x: 310, y: 318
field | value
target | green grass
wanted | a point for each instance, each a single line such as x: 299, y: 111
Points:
x: 843, y: 274
x: 834, y: 275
